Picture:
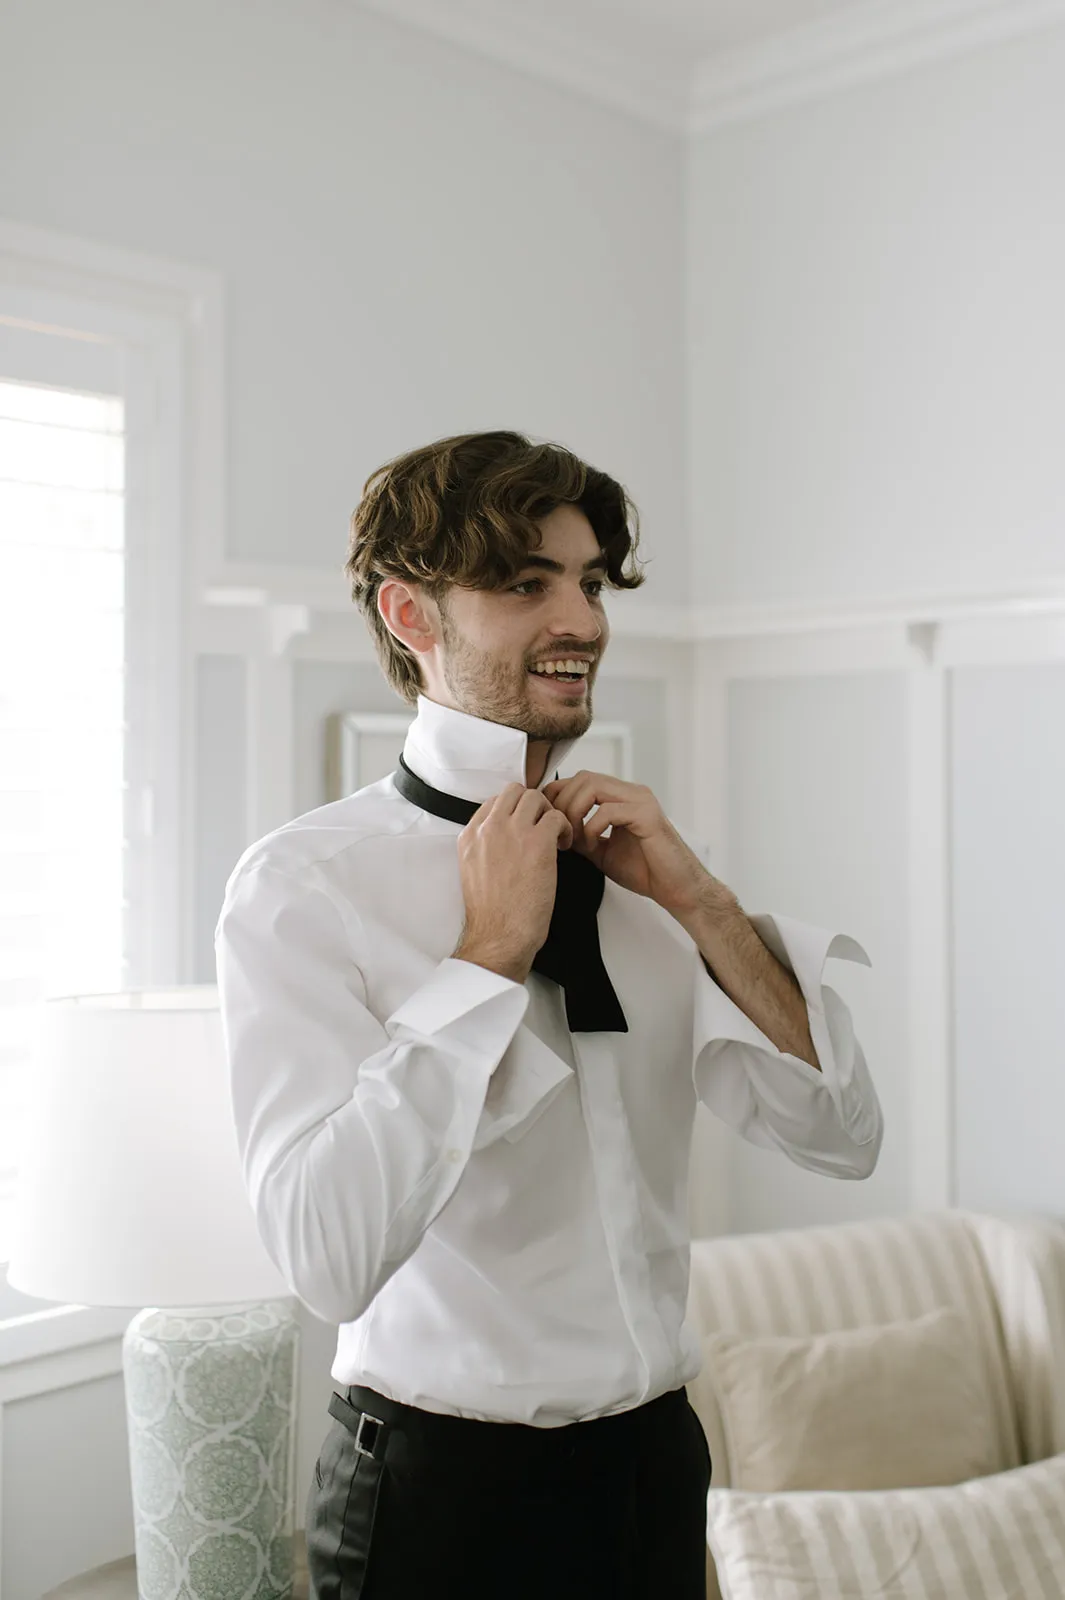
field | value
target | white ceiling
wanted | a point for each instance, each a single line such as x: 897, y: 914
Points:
x: 690, y: 65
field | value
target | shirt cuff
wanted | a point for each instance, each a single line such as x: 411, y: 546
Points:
x: 488, y: 1006
x: 530, y: 1076
x: 803, y: 950
x: 482, y: 1012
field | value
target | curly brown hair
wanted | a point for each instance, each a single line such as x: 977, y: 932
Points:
x: 464, y: 512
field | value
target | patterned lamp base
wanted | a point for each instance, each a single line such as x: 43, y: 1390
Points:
x: 211, y: 1412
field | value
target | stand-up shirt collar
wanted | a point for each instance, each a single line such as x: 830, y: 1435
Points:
x: 469, y: 757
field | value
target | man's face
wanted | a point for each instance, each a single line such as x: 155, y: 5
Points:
x: 551, y: 612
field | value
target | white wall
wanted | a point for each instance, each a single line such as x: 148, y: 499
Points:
x: 414, y: 241
x: 876, y: 331
x: 813, y: 777
x: 876, y: 394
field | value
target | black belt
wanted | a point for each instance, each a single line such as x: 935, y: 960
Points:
x: 382, y: 1426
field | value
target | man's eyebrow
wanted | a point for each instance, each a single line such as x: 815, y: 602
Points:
x: 597, y: 564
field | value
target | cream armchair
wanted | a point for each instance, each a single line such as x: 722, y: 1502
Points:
x: 1005, y: 1277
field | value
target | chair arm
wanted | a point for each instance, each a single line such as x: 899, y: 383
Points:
x: 1025, y: 1260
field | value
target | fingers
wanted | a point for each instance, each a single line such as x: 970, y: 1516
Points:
x: 575, y: 797
x: 595, y: 801
x: 561, y: 808
x: 576, y: 807
x: 601, y: 785
x: 518, y: 801
x: 502, y: 804
x: 539, y: 810
x: 560, y: 825
x: 606, y: 816
x: 508, y: 800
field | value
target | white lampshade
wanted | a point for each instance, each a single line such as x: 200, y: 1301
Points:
x: 129, y: 1188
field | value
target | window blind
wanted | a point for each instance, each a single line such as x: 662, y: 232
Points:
x: 62, y: 721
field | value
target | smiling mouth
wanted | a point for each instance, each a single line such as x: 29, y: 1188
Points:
x: 560, y: 684
x: 565, y: 682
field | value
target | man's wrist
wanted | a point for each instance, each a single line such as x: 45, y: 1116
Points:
x: 713, y: 910
x: 502, y: 964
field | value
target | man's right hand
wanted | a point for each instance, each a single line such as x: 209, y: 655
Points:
x: 508, y: 861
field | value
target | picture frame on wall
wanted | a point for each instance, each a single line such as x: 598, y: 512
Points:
x: 364, y: 746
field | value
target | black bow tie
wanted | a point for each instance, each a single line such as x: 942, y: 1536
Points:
x: 570, y: 955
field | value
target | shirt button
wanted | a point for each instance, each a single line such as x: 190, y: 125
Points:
x: 454, y: 1155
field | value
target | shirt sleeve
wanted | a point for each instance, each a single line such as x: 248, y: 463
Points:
x: 353, y: 1133
x: 828, y: 1121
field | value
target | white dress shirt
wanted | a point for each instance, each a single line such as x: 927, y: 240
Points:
x: 492, y: 1208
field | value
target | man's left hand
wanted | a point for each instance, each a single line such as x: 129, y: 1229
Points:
x: 646, y: 854
x: 643, y: 852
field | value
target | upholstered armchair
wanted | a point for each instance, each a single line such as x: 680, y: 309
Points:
x: 1006, y: 1279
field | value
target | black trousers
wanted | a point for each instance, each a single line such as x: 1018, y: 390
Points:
x: 419, y: 1506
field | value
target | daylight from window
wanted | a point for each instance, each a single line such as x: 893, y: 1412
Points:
x: 62, y: 647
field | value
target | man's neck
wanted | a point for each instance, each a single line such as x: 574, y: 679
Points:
x: 536, y: 762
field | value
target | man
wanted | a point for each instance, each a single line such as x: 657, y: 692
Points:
x: 469, y: 1011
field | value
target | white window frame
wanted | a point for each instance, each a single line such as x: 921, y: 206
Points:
x: 166, y: 319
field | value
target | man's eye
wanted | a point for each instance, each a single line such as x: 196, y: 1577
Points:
x: 594, y: 586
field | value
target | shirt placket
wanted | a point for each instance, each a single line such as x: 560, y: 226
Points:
x: 617, y: 1185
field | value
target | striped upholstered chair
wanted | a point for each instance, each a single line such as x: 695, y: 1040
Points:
x: 1006, y: 1277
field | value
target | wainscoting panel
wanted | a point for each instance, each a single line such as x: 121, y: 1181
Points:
x: 817, y: 774
x: 1008, y: 783
x: 321, y: 689
x: 642, y: 704
x: 66, y: 1485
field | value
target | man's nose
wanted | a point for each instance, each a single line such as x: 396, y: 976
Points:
x: 575, y: 617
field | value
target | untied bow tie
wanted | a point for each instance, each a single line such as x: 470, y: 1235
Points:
x: 570, y: 955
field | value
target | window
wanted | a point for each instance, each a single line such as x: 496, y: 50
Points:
x: 111, y: 516
x: 62, y: 716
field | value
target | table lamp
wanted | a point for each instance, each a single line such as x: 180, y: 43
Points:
x: 130, y: 1194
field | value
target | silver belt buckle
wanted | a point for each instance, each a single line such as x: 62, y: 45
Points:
x: 376, y: 1425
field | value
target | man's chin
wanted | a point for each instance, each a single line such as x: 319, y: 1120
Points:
x: 568, y: 722
x: 543, y: 723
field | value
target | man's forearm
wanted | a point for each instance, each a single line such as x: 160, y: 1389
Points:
x: 750, y: 974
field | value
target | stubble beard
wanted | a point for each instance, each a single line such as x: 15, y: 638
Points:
x: 481, y: 687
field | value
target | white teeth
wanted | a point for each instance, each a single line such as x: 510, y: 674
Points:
x: 551, y: 667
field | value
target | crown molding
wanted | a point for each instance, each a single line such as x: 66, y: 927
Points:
x: 861, y: 43
x: 872, y: 41
x: 655, y: 91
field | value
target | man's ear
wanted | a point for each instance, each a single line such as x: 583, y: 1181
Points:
x: 409, y: 615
